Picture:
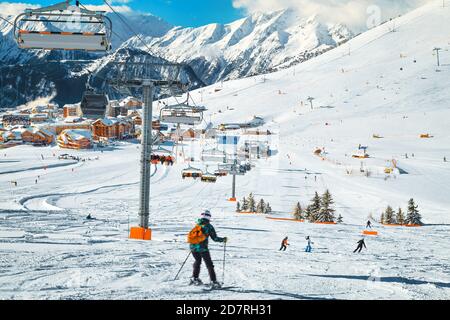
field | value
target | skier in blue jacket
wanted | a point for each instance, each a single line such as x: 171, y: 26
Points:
x: 308, y: 246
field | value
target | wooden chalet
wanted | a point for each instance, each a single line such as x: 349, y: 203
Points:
x: 75, y: 139
x: 112, y: 128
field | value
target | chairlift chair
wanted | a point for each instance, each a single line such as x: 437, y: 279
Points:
x: 182, y: 114
x: 67, y: 28
x: 213, y: 155
x: 160, y: 151
x: 221, y: 173
x: 208, y: 177
x: 191, y: 172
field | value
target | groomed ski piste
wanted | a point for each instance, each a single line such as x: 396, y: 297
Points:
x: 48, y: 250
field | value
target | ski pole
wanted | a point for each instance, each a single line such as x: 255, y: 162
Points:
x: 223, y: 268
x: 182, y: 265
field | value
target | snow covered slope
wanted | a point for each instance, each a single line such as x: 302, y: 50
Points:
x: 253, y: 45
x: 388, y: 85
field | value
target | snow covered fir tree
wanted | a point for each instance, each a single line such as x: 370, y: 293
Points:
x: 400, y: 217
x: 249, y: 205
x: 298, y: 212
x: 261, y: 206
x: 413, y: 216
x: 388, y: 216
x: 314, y: 208
x: 326, y: 212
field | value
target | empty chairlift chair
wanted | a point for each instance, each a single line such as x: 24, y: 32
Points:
x: 182, y: 114
x: 213, y: 155
x: 63, y: 27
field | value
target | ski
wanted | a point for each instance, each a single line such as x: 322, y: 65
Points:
x: 208, y: 289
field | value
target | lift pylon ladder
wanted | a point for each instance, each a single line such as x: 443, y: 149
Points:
x: 67, y: 27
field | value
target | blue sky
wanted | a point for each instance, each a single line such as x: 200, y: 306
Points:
x: 191, y: 13
x: 177, y: 12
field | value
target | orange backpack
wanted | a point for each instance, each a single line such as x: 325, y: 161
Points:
x: 196, y: 235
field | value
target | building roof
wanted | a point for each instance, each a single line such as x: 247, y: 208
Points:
x: 78, y: 134
x: 72, y: 119
x: 129, y: 99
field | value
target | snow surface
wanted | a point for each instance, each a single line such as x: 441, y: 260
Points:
x: 50, y: 251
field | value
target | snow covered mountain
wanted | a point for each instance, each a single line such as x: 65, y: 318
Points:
x: 257, y: 44
x: 388, y: 84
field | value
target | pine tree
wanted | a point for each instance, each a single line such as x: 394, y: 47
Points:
x: 268, y: 209
x: 251, y: 203
x: 238, y: 207
x: 315, y: 207
x: 400, y: 217
x: 326, y: 213
x: 298, y: 212
x: 244, y: 204
x: 340, y: 219
x: 308, y: 214
x: 261, y: 207
x: 382, y: 219
x: 413, y: 216
x: 389, y: 217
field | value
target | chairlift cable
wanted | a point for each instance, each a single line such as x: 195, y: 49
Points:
x: 12, y: 24
x: 113, y: 32
x: 123, y: 19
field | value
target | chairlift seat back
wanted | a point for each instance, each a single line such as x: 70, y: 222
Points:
x: 181, y: 119
x: 63, y: 40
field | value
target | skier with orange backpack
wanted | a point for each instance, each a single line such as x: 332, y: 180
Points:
x: 198, y: 240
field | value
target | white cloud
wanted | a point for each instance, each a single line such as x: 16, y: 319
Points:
x: 13, y: 9
x: 121, y: 8
x: 353, y: 13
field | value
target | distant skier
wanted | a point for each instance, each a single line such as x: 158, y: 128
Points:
x: 361, y: 244
x: 284, y: 244
x: 308, y: 246
x: 369, y: 224
x: 89, y: 217
x: 198, y: 240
